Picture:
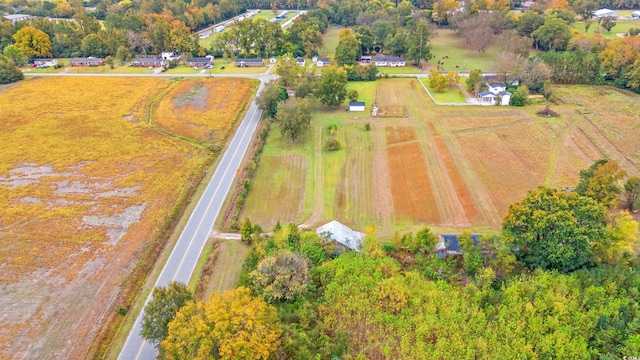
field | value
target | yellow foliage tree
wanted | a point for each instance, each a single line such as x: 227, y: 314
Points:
x: 33, y: 42
x: 232, y: 325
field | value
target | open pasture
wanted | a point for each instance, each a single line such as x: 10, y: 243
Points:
x: 451, y: 167
x: 200, y: 109
x: 85, y: 186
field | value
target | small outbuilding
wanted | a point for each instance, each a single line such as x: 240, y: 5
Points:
x: 635, y: 15
x: 341, y: 234
x: 356, y: 106
x: 273, y: 60
x: 300, y: 61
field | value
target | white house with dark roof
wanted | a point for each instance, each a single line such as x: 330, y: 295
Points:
x: 320, y: 62
x: 356, y: 106
x: 341, y: 234
x: 382, y: 60
x: 300, y: 61
x: 635, y: 15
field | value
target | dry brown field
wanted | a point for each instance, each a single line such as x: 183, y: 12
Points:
x: 451, y: 167
x: 200, y: 109
x: 85, y: 185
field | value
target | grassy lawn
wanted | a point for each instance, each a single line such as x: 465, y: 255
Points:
x: 451, y: 95
x: 330, y: 39
x: 447, y: 43
x: 400, y: 70
x: 622, y: 27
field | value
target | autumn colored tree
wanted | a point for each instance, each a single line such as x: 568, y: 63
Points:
x: 601, y: 182
x: 161, y: 310
x: 232, y: 325
x: 33, y: 42
x: 348, y: 49
x: 282, y: 277
x: 437, y: 81
x: 554, y: 230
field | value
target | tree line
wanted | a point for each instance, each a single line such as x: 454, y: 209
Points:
x: 560, y: 280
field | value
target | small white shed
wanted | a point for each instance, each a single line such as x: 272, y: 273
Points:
x: 356, y: 106
x: 342, y: 234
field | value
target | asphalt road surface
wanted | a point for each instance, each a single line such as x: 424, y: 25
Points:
x: 186, y: 252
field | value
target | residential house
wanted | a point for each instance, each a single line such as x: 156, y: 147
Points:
x: 356, y: 106
x: 205, y: 34
x: 448, y: 245
x: 249, y: 62
x: 300, y: 61
x: 365, y: 60
x: 635, y: 15
x: 44, y: 63
x: 17, y: 17
x: 89, y: 61
x: 490, y: 97
x: 323, y: 62
x: 342, y: 235
x: 603, y: 13
x: 147, y: 62
x: 382, y: 60
x: 219, y: 28
x: 496, y: 87
x: 199, y: 62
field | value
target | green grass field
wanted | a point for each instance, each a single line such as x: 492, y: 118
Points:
x: 451, y: 95
x: 622, y: 27
x: 330, y: 39
x: 446, y: 43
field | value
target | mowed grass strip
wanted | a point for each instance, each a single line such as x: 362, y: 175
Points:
x: 203, y: 109
x: 278, y: 192
x: 410, y: 187
x: 330, y: 40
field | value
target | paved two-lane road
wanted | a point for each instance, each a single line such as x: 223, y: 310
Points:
x: 186, y: 252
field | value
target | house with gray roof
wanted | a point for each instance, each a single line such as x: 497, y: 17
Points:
x: 341, y: 234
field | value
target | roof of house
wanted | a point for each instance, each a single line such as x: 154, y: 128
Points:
x: 342, y: 234
x: 88, y: 60
x: 15, y: 16
x: 486, y: 93
x: 324, y: 60
x: 496, y: 84
x: 147, y: 60
x: 389, y: 58
x: 365, y: 57
x: 503, y: 93
x: 635, y: 13
x: 603, y: 12
x: 249, y: 60
x: 204, y: 60
x: 356, y: 103
x: 452, y: 244
x: 43, y: 60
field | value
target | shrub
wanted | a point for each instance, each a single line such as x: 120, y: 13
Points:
x: 634, y: 31
x: 332, y: 144
x: 367, y: 126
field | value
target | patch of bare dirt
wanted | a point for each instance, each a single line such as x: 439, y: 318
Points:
x: 196, y: 98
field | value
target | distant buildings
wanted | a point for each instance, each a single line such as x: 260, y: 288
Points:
x: 603, y: 13
x: 17, y: 17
